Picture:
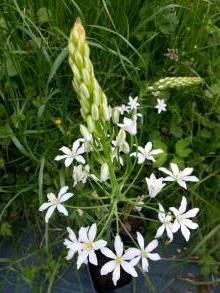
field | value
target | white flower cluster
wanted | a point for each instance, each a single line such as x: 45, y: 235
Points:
x: 172, y: 221
x: 86, y: 246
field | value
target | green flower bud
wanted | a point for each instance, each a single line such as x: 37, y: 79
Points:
x: 95, y: 112
x: 115, y: 115
x: 90, y: 123
x: 84, y: 93
x: 121, y: 137
x: 85, y: 133
x: 104, y: 175
x: 79, y: 60
x: 106, y: 112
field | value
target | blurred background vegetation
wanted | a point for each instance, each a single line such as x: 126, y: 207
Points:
x: 39, y: 111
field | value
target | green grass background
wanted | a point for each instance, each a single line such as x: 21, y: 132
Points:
x: 129, y: 40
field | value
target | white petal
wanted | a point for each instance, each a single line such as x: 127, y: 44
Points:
x: 99, y: 244
x: 182, y: 183
x: 191, y: 213
x: 183, y: 205
x: 82, y: 258
x: 140, y: 240
x: 130, y: 253
x: 145, y: 264
x: 44, y: 206
x: 92, y: 232
x: 185, y: 231
x: 83, y: 234
x: 49, y: 213
x: 107, y: 252
x: 160, y: 231
x: 166, y: 171
x: 174, y: 168
x: 152, y: 245
x: 191, y: 178
x: 62, y: 191
x: 156, y: 152
x: 141, y: 158
x: 75, y: 145
x: 70, y: 254
x: 66, y: 150
x: 186, y: 172
x: 135, y: 261
x: 175, y: 226
x: 62, y: 209
x: 65, y: 197
x: 190, y: 224
x: 51, y: 196
x: 72, y: 235
x: 169, y: 178
x: 153, y: 256
x: 108, y: 267
x: 58, y: 158
x: 169, y: 233
x: 80, y: 159
x: 175, y: 211
x: 68, y: 161
x: 116, y: 274
x: 93, y: 258
x: 118, y: 244
x: 76, y: 246
x: 148, y: 147
x: 128, y: 268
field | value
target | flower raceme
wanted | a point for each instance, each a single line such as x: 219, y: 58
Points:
x: 56, y: 203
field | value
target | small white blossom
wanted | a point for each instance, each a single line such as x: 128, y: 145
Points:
x: 104, y: 174
x: 129, y: 125
x: 72, y: 154
x: 56, y: 203
x: 166, y: 220
x: 182, y: 220
x: 179, y: 176
x: 154, y: 185
x: 146, y: 153
x: 80, y: 174
x: 143, y: 253
x: 133, y: 103
x: 161, y: 105
x: 123, y: 108
x: 86, y: 246
x: 118, y: 261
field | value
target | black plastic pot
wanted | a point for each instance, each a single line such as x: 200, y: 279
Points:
x: 104, y: 284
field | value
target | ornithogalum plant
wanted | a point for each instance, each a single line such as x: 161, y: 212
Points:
x: 106, y: 156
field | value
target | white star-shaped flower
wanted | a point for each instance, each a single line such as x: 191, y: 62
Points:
x: 166, y: 220
x: 123, y: 108
x: 179, y: 176
x: 154, y: 185
x: 86, y: 246
x: 146, y: 153
x: 72, y: 154
x: 143, y: 253
x: 56, y: 203
x: 129, y: 125
x: 182, y: 220
x: 118, y: 261
x: 161, y: 105
x: 133, y: 103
